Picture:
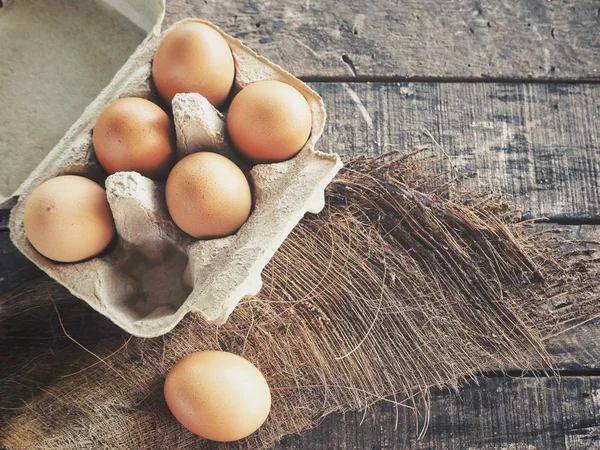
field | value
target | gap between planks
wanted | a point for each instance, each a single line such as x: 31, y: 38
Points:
x: 432, y: 79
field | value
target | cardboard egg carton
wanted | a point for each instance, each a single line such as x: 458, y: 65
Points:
x: 155, y: 273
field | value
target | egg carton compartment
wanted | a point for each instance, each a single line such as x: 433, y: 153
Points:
x: 155, y: 273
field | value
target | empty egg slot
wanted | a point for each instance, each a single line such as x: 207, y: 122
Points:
x: 159, y: 285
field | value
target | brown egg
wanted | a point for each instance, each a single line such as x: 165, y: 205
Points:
x: 269, y: 121
x: 194, y: 57
x: 218, y: 395
x: 208, y: 196
x: 134, y: 134
x: 68, y: 219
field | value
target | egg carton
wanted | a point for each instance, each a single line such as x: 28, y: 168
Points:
x: 155, y: 273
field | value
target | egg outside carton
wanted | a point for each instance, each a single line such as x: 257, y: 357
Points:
x: 155, y: 274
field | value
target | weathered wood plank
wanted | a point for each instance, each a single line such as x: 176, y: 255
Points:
x: 577, y: 350
x: 499, y: 413
x: 538, y: 144
x: 519, y: 39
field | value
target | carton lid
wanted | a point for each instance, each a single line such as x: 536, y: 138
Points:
x: 55, y: 58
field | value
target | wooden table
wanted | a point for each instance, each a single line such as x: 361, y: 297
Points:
x: 511, y: 90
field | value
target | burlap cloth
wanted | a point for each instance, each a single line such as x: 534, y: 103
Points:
x: 402, y: 283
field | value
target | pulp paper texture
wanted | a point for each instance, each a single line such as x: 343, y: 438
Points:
x: 55, y: 57
x: 157, y: 273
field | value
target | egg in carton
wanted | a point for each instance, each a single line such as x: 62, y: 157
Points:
x: 155, y: 273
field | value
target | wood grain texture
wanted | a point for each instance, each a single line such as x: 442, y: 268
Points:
x: 499, y: 413
x: 475, y: 39
x: 576, y: 350
x: 537, y: 143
